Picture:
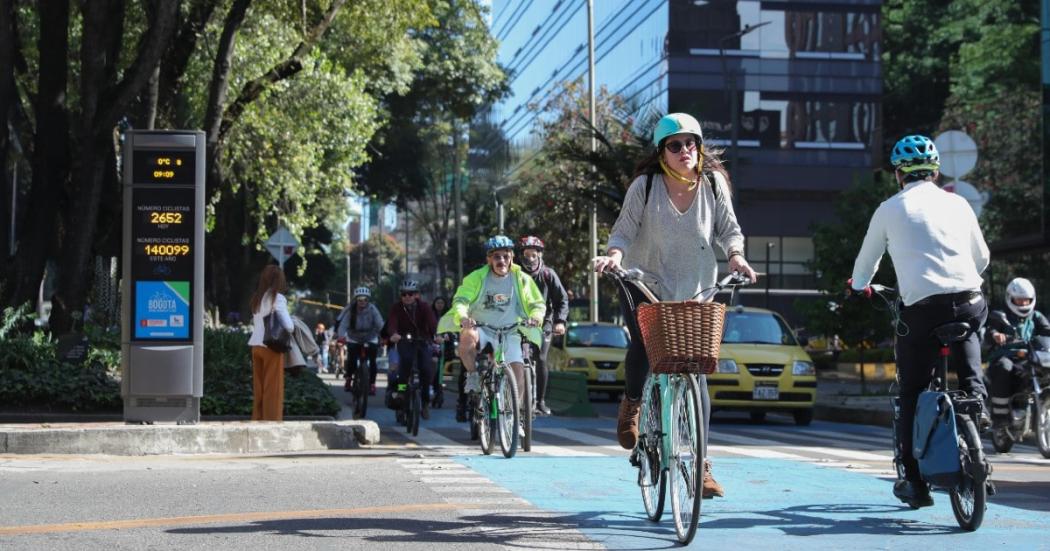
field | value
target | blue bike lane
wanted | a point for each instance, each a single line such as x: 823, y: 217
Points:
x: 771, y: 504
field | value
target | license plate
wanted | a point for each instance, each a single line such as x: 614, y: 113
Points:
x: 607, y: 377
x: 765, y: 392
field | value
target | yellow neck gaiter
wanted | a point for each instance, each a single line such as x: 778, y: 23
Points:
x: 682, y: 179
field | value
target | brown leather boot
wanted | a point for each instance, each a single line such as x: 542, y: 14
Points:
x: 627, y: 422
x: 711, y: 486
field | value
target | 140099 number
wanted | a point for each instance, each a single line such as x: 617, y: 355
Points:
x: 167, y: 250
x: 165, y: 218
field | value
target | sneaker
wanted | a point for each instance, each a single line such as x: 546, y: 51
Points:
x: 472, y: 384
x: 372, y: 390
x: 627, y: 422
x: 711, y: 487
x: 915, y: 494
x: 542, y: 409
x: 521, y: 430
x: 425, y: 413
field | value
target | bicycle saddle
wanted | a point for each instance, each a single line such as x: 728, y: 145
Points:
x: 952, y: 332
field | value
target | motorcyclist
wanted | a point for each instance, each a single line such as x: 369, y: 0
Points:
x: 554, y: 320
x: 1018, y: 324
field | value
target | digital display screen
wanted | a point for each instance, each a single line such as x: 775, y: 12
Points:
x: 164, y: 166
x: 162, y: 243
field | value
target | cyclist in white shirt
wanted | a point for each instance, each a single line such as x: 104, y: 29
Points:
x: 938, y: 253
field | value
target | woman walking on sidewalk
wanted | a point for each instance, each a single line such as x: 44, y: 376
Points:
x: 267, y: 364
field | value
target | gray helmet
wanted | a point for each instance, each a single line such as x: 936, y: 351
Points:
x: 410, y: 285
x: 362, y: 292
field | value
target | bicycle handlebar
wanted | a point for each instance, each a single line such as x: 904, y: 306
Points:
x: 634, y: 275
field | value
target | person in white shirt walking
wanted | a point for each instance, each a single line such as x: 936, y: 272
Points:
x: 938, y: 253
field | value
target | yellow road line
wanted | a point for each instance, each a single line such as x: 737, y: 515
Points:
x: 228, y: 517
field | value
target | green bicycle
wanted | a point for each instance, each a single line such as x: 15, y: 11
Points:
x: 494, y: 410
x: 671, y: 441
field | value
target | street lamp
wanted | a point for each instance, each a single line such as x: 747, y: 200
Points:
x: 769, y: 245
x: 730, y: 79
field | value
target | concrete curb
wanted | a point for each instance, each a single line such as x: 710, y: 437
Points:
x: 859, y: 416
x: 254, y: 437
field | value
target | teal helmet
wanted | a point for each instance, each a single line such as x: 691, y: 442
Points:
x: 915, y: 153
x: 676, y: 123
x: 498, y: 242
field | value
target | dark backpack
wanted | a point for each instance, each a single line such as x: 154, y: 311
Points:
x: 707, y: 174
x: 935, y: 439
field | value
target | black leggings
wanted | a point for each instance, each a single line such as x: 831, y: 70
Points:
x: 415, y: 354
x: 353, y: 356
x: 636, y: 365
x: 538, y: 354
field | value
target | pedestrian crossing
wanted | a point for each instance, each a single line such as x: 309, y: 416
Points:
x: 860, y: 449
x: 498, y: 514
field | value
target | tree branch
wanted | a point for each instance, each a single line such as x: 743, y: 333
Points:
x: 220, y: 76
x: 285, y: 69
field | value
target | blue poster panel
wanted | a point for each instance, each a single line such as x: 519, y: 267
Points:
x: 162, y: 310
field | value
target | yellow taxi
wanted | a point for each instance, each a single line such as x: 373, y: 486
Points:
x: 762, y: 368
x: 597, y: 350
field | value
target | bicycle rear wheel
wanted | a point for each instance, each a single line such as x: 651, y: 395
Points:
x: 969, y: 497
x: 687, y: 456
x: 527, y: 409
x: 482, y: 418
x: 1042, y: 424
x: 507, y: 413
x: 652, y: 478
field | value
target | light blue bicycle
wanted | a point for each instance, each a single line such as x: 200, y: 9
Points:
x: 671, y: 432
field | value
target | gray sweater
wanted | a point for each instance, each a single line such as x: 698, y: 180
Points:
x: 675, y: 249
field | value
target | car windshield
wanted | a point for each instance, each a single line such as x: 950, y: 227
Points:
x: 605, y: 336
x: 757, y: 328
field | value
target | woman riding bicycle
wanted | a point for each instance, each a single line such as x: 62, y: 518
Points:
x: 360, y: 324
x: 497, y: 294
x: 676, y: 210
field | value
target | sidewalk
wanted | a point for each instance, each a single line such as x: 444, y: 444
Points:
x: 842, y: 398
x: 70, y: 433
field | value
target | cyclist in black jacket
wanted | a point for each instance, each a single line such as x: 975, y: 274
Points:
x: 557, y: 301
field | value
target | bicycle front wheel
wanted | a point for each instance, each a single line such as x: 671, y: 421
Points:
x: 416, y: 407
x: 527, y: 410
x: 687, y: 456
x: 361, y: 390
x: 507, y: 413
x: 483, y: 420
x: 970, y: 496
x: 652, y: 478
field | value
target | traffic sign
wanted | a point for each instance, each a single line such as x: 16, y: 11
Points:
x: 958, y: 153
x: 282, y: 245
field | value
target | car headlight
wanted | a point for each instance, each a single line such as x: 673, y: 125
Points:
x: 803, y: 368
x: 578, y: 363
x: 727, y: 366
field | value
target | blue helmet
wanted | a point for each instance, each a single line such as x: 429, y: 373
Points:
x: 498, y: 242
x: 915, y: 153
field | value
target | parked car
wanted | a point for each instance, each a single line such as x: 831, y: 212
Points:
x: 597, y: 350
x: 762, y: 367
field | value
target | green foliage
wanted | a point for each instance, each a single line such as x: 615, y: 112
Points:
x: 32, y: 378
x: 14, y: 317
x: 835, y: 248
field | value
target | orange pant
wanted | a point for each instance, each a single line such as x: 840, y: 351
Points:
x: 267, y: 384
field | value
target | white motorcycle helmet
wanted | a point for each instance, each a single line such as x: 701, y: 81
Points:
x: 363, y: 292
x: 1020, y: 289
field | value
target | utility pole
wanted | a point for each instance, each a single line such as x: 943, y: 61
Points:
x: 594, y: 146
x: 456, y: 198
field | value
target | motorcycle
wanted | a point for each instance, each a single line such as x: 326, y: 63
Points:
x: 1030, y: 406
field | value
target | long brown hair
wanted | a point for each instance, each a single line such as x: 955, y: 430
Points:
x: 270, y: 281
x: 712, y: 162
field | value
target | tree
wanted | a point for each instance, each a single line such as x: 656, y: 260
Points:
x: 835, y: 247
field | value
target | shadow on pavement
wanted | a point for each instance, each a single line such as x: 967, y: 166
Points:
x: 813, y: 520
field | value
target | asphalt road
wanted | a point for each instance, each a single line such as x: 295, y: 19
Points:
x: 826, y: 486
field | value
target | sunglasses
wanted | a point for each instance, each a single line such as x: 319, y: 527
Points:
x: 675, y: 146
x: 504, y: 257
x: 407, y: 293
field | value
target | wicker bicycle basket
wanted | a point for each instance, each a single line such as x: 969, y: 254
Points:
x: 682, y: 337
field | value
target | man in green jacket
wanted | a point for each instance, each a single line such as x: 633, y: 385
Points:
x: 497, y: 294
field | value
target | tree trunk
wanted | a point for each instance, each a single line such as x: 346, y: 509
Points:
x: 102, y: 102
x: 176, y: 60
x: 50, y: 157
x: 8, y: 96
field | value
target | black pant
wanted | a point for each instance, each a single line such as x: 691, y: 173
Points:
x: 1005, y: 378
x: 412, y: 355
x: 918, y: 354
x: 353, y: 356
x: 636, y: 365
